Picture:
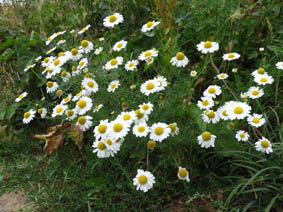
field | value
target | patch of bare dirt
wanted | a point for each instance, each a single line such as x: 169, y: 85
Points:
x: 12, y: 201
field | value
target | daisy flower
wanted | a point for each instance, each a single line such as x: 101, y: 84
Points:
x: 79, y: 95
x: 263, y: 145
x: 206, y: 139
x: 131, y: 65
x: 210, y: 116
x: 212, y: 91
x: 148, y: 54
x: 38, y: 58
x: 141, y: 130
x: 128, y: 117
x: 144, y: 180
x: 193, y: 73
x: 146, y: 108
x: 255, y: 92
x: 114, y: 63
x: 180, y: 60
x: 100, y: 149
x: 84, y: 29
x: 112, y: 145
x: 65, y: 76
x: 113, y: 86
x: 84, y: 122
x: 119, y: 128
x: 159, y: 131
x: 256, y: 120
x: 141, y: 117
x: 120, y: 45
x: 102, y: 129
x: 71, y: 114
x: 112, y: 20
x: 174, y: 129
x: 21, y: 96
x: 183, y: 174
x: 51, y: 86
x: 149, y: 60
x: 75, y: 71
x: 75, y: 54
x: 238, y: 110
x: 149, y: 87
x: 222, y: 112
x: 279, y: 65
x: 244, y: 95
x: 90, y: 85
x: 263, y: 79
x: 149, y: 26
x: 28, y: 116
x: 60, y: 42
x: 151, y: 144
x: 58, y: 110
x: 83, y: 105
x: 162, y: 83
x: 97, y: 108
x: 47, y: 60
x: 82, y: 64
x: 51, y: 50
x: 205, y: 103
x: 29, y: 67
x: 66, y: 99
x: 86, y: 46
x: 231, y: 56
x: 207, y: 47
x: 42, y: 112
x: 259, y: 71
x: 241, y: 135
x: 97, y: 51
x: 222, y: 76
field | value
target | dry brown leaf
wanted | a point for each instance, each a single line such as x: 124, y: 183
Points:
x: 76, y: 135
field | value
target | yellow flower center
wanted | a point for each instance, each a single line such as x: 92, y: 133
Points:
x: 109, y: 142
x: 205, y: 103
x: 113, y: 85
x: 84, y: 43
x: 159, y: 130
x: 126, y: 117
x: 63, y: 74
x: 26, y: 115
x: 66, y: 99
x: 139, y: 114
x: 149, y: 86
x: 74, y: 51
x: 147, y: 54
x: 131, y: 64
x: 231, y: 55
x: 46, y: 60
x: 206, y: 136
x: 151, y: 144
x: 149, y: 24
x: 40, y: 110
x: 231, y: 124
x: 222, y: 75
x: 82, y: 63
x: 145, y: 107
x: 255, y: 93
x: 149, y: 60
x: 102, y: 128
x: 211, y: 90
x: 242, y: 135
x: 117, y: 127
x: 119, y: 45
x: 83, y: 29
x: 183, y: 173
x: 173, y: 127
x: 238, y: 110
x: 142, y: 179
x: 21, y: 96
x: 256, y: 120
x: 88, y: 75
x: 260, y: 71
x: 141, y: 129
x: 74, y: 68
x: 59, y: 109
x: 112, y: 18
x: 224, y: 112
x: 113, y: 62
x: 79, y: 94
x: 49, y: 38
x: 70, y: 113
x: 49, y: 84
x: 81, y: 103
x: 82, y: 120
x: 180, y: 56
x: 207, y: 45
x: 60, y: 54
x: 263, y: 79
x: 101, y: 146
x: 90, y: 84
x: 264, y: 144
x: 59, y: 92
x: 211, y: 114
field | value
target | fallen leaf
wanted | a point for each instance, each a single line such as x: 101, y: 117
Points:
x: 76, y: 135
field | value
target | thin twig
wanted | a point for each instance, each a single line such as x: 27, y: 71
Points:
x: 217, y: 70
